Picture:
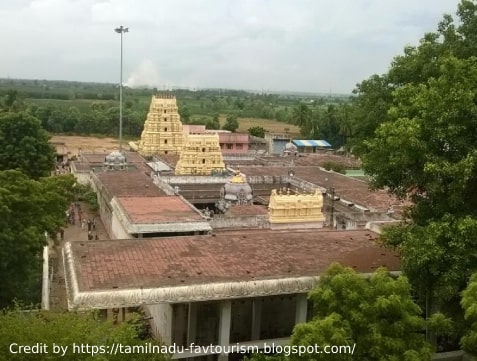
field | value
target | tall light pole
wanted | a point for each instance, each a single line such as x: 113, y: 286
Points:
x: 121, y: 30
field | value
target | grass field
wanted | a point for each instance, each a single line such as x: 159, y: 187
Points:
x: 271, y: 126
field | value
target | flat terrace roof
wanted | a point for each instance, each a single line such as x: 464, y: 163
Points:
x: 89, y: 160
x: 158, y: 209
x: 127, y: 183
x: 226, y: 265
x: 246, y: 210
x: 350, y: 189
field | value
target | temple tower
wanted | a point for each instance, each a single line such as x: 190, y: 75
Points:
x: 200, y: 155
x: 162, y: 132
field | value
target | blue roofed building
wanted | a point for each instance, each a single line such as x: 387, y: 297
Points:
x: 311, y: 146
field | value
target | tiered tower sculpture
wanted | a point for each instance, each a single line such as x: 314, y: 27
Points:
x: 162, y: 132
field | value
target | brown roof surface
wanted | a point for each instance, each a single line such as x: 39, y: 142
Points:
x: 128, y: 183
x: 170, y: 159
x: 158, y: 209
x: 223, y: 257
x: 249, y: 210
x: 89, y: 160
x: 350, y: 189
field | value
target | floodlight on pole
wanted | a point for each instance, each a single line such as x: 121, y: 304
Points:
x: 121, y: 30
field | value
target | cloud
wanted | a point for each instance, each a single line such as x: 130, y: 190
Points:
x: 310, y: 45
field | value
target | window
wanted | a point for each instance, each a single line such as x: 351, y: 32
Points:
x: 203, y: 160
x: 203, y: 149
x: 230, y: 146
x: 165, y: 111
x: 239, y: 146
x: 165, y: 141
x: 165, y: 129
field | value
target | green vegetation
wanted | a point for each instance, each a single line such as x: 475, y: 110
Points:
x: 25, y: 145
x: 257, y: 131
x: 336, y: 167
x: 29, y: 208
x: 231, y: 123
x: 67, y: 330
x: 417, y: 138
x: 375, y: 317
x: 90, y: 108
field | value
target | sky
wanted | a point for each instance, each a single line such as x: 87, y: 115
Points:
x: 261, y: 45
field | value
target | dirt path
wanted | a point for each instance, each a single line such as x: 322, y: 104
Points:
x: 72, y: 233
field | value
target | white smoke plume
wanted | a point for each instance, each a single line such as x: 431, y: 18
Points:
x: 144, y: 75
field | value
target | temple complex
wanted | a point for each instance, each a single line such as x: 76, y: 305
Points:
x: 303, y: 210
x: 200, y: 155
x: 162, y: 132
x: 215, y: 259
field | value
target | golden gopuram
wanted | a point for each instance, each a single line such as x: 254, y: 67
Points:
x: 285, y: 208
x: 200, y: 155
x: 162, y: 132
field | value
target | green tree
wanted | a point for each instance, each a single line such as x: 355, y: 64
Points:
x: 438, y: 259
x: 427, y: 150
x: 29, y: 208
x: 185, y: 114
x: 67, y: 329
x: 257, y: 131
x: 25, y: 145
x: 425, y: 145
x: 377, y: 315
x: 231, y: 123
x: 302, y: 116
x: 11, y: 102
x: 469, y: 303
x: 214, y: 123
x: 370, y: 107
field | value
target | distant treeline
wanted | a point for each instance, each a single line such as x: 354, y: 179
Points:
x: 93, y: 108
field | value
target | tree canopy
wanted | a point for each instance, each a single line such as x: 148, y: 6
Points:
x: 420, y: 144
x: 376, y: 315
x: 25, y: 145
x: 28, y: 209
x: 97, y: 337
x: 257, y: 131
x: 469, y: 302
x: 231, y: 123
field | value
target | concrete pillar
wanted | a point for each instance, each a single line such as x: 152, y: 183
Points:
x: 224, y: 326
x: 192, y: 323
x: 256, y: 318
x: 301, y: 308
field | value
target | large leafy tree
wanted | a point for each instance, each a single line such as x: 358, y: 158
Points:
x: 469, y: 302
x: 417, y: 65
x: 425, y: 149
x: 428, y: 145
x: 28, y: 209
x: 375, y: 317
x: 96, y: 337
x: 377, y: 314
x: 231, y: 123
x: 25, y: 145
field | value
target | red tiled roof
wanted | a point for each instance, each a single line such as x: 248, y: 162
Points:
x: 125, y: 183
x: 158, y: 209
x: 223, y: 257
x: 249, y: 210
x: 351, y: 189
